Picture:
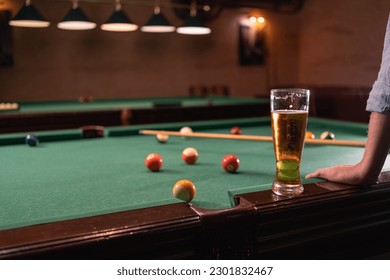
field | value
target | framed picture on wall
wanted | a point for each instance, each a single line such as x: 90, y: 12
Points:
x: 6, y: 44
x: 251, y: 45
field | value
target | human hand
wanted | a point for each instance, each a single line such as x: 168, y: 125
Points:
x: 346, y: 174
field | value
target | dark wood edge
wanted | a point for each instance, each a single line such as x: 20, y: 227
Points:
x: 30, y: 240
x: 92, y: 131
x: 336, y: 222
x: 242, y: 211
x: 312, y: 193
x: 24, y: 122
x: 10, y: 123
x: 56, y: 235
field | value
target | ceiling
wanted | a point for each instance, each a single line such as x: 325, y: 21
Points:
x: 279, y: 6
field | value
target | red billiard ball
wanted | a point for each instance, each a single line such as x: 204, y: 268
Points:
x: 184, y: 190
x: 85, y: 99
x: 154, y: 162
x: 189, y: 155
x: 230, y: 163
x: 236, y: 130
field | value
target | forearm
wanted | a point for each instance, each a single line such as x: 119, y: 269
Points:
x: 378, y: 144
x: 378, y: 141
x: 378, y: 103
x: 368, y: 169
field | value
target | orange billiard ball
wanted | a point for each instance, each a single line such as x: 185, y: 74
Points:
x: 184, y: 190
x: 230, y: 163
x: 154, y: 162
x: 189, y: 155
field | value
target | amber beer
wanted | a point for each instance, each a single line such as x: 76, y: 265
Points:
x: 288, y: 130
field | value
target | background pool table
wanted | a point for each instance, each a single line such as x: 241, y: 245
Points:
x: 93, y: 198
x: 113, y: 112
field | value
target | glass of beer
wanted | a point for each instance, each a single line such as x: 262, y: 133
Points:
x: 289, y: 114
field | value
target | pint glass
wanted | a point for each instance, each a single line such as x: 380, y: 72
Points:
x: 289, y: 114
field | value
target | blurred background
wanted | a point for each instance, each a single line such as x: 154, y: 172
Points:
x: 333, y: 44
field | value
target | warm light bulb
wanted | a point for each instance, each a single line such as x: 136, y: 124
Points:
x: 260, y: 20
x: 28, y: 16
x: 193, y: 30
x: 118, y: 27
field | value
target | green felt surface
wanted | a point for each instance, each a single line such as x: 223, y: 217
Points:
x: 134, y: 103
x: 45, y: 136
x: 76, y: 178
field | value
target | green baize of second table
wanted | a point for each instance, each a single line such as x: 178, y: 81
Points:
x: 133, y: 103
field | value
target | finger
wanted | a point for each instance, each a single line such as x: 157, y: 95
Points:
x: 319, y: 173
x: 314, y: 174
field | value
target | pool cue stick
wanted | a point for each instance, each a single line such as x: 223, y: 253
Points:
x: 252, y: 138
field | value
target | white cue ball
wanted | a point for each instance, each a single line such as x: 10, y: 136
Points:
x: 162, y: 138
x: 185, y: 130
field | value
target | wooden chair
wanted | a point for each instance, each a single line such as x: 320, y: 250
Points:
x: 342, y: 103
x: 220, y: 90
x: 197, y: 90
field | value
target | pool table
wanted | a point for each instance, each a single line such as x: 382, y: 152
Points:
x: 73, y: 197
x: 70, y: 114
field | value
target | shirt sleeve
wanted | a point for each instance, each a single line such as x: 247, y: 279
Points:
x: 379, y: 99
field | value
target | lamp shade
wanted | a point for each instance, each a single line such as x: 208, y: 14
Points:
x: 119, y: 22
x: 28, y: 16
x: 158, y: 23
x: 193, y: 26
x: 75, y: 19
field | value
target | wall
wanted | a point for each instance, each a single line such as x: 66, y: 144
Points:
x: 328, y: 43
x: 53, y: 64
x: 341, y: 42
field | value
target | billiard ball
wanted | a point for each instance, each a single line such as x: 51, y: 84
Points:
x: 8, y: 106
x: 309, y: 135
x: 184, y: 190
x: 189, y: 155
x: 162, y: 138
x: 154, y: 162
x: 185, y: 130
x: 92, y: 131
x: 32, y: 140
x: 230, y: 163
x: 236, y: 130
x: 327, y: 135
x: 85, y: 99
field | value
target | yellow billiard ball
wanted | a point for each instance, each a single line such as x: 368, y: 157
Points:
x: 184, y: 190
x: 309, y: 135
